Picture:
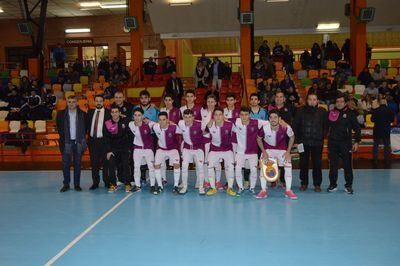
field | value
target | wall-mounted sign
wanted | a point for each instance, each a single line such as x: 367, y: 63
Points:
x: 78, y: 41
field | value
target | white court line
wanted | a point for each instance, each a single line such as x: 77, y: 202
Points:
x: 73, y: 242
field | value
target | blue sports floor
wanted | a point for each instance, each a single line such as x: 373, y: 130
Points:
x: 37, y: 223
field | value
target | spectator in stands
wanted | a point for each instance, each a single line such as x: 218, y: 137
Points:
x: 116, y: 67
x: 216, y: 73
x: 346, y: 50
x: 379, y: 74
x: 264, y: 92
x: 95, y: 126
x: 200, y: 75
x: 365, y: 77
x: 382, y: 118
x: 330, y: 51
x: 125, y: 108
x: 316, y: 55
x: 371, y: 90
x: 288, y: 59
x: 396, y: 93
x: 150, y: 111
x: 275, y: 86
x: 174, y: 87
x: 110, y: 91
x: 264, y: 50
x: 292, y: 97
x: 356, y: 108
x: 309, y: 125
x: 150, y: 67
x: 384, y: 89
x: 366, y: 103
x: 227, y: 71
x: 257, y: 112
x: 78, y: 67
x: 168, y: 66
x: 286, y: 83
x: 325, y: 80
x: 25, y: 87
x: 59, y: 56
x: 49, y: 103
x: 306, y: 60
x: 323, y: 55
x: 71, y: 126
x: 259, y: 70
x: 32, y: 109
x: 205, y: 60
x: 277, y: 52
x: 25, y: 136
x: 104, y: 68
x: 368, y: 54
x: 330, y: 94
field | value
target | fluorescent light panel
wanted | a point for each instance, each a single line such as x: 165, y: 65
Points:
x: 276, y: 1
x: 89, y: 4
x: 109, y: 6
x: 80, y: 30
x: 328, y: 26
x: 180, y: 3
x: 1, y: 10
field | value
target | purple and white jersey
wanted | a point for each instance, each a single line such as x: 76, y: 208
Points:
x: 143, y: 135
x: 193, y: 135
x: 231, y: 115
x: 196, y: 111
x: 174, y: 115
x: 247, y: 135
x: 221, y: 136
x: 167, y: 137
x: 275, y: 140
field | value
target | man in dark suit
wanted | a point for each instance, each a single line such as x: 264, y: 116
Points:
x: 97, y: 147
x: 174, y: 87
x: 71, y: 126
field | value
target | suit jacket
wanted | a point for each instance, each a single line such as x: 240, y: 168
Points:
x: 221, y: 70
x: 90, y: 117
x: 61, y: 122
x: 177, y: 94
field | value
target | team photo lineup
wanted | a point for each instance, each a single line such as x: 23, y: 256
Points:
x: 131, y: 142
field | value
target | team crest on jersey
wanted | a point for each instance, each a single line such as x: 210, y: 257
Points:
x: 194, y: 132
x: 226, y: 131
x: 344, y: 115
x: 145, y: 131
x: 123, y: 125
x: 214, y: 131
x: 252, y: 129
x: 170, y: 135
x: 124, y: 109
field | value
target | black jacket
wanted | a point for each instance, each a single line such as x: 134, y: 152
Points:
x: 90, y: 117
x: 177, y: 93
x: 382, y: 117
x: 309, y: 125
x: 121, y: 141
x: 126, y: 109
x: 341, y: 129
x: 61, y: 122
x: 221, y: 70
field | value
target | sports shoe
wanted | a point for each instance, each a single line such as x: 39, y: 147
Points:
x: 136, y: 189
x: 349, y: 190
x: 332, y: 188
x: 160, y: 189
x: 128, y: 188
x: 183, y: 191
x: 252, y: 191
x: 212, y: 192
x: 153, y: 190
x: 219, y: 186
x: 207, y: 185
x: 246, y: 185
x: 290, y: 194
x: 262, y: 194
x: 164, y: 182
x: 175, y: 190
x: 64, y: 188
x: 112, y: 189
x: 202, y: 192
x: 283, y: 185
x: 273, y: 184
x: 240, y: 191
x: 231, y: 192
x: 77, y: 188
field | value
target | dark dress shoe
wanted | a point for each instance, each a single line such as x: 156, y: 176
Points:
x: 78, y: 188
x: 94, y: 187
x: 303, y: 188
x: 317, y: 189
x: 64, y: 188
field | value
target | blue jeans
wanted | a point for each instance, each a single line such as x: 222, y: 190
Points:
x: 66, y: 162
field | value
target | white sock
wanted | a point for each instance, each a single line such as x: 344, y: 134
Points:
x: 218, y: 171
x: 288, y: 178
x: 230, y: 173
x: 205, y: 168
x: 177, y: 175
x: 185, y: 174
x: 263, y: 183
x: 164, y: 171
x: 157, y: 173
x: 239, y: 177
x: 211, y: 177
x: 253, y: 178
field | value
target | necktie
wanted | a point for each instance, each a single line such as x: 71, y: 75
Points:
x: 96, y: 122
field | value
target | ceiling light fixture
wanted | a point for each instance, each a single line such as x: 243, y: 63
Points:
x: 89, y: 4
x: 328, y: 26
x: 79, y: 30
x: 112, y: 6
x: 180, y: 3
x: 276, y: 1
x: 1, y: 10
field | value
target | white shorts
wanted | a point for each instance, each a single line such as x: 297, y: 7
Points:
x: 241, y: 160
x: 163, y: 155
x: 143, y: 156
x: 278, y: 155
x: 215, y: 157
x: 196, y: 156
